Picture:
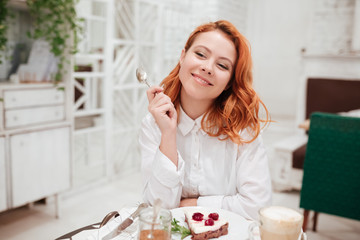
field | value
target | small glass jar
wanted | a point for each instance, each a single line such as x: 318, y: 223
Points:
x: 160, y: 229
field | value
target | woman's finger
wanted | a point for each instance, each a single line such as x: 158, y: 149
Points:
x: 160, y: 103
x: 161, y: 98
x: 166, y: 111
x: 152, y: 91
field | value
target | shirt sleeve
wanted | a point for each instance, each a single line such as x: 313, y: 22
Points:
x: 161, y: 178
x: 253, y: 183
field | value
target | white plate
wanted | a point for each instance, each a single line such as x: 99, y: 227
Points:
x: 238, y: 226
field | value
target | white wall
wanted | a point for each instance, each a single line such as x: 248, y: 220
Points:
x: 277, y: 31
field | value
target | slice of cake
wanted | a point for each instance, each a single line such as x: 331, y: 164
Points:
x: 205, y: 224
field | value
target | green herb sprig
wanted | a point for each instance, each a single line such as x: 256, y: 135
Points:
x: 176, y: 228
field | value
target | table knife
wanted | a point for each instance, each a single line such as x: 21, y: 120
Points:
x: 126, y: 223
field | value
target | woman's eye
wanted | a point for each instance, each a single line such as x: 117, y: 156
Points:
x: 223, y: 66
x: 200, y: 54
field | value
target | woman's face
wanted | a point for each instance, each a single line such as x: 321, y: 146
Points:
x: 207, y: 66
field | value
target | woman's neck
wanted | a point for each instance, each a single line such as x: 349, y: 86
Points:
x: 194, y: 108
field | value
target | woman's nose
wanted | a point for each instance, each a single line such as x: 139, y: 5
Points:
x: 206, y: 69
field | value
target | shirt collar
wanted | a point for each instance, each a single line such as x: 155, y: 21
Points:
x: 186, y: 124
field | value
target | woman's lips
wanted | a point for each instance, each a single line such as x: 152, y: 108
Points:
x: 201, y: 80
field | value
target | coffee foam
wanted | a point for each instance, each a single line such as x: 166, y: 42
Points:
x: 281, y: 213
x: 280, y: 219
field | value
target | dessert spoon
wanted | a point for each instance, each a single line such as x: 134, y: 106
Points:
x: 141, y: 76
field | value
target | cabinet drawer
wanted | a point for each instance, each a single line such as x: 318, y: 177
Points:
x: 32, y: 97
x: 31, y: 116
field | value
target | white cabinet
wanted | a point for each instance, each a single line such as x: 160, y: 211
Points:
x: 35, y: 143
x: 36, y: 126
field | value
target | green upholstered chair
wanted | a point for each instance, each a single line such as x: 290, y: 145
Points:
x: 331, y: 181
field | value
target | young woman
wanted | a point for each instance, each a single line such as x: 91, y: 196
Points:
x: 200, y: 143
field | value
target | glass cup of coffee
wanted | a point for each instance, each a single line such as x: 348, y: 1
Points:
x: 155, y: 228
x: 278, y: 223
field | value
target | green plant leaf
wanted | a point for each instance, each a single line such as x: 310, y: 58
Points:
x: 53, y: 21
x: 4, y: 13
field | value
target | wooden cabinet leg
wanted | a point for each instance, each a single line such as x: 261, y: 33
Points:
x: 306, y: 216
x: 57, y: 208
x: 30, y: 205
x: 315, y: 221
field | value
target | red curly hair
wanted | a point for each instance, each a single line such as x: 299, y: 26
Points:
x: 237, y: 107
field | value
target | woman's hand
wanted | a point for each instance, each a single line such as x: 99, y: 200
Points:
x: 162, y: 109
x: 165, y: 115
x: 188, y: 202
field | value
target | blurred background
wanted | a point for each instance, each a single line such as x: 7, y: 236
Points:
x: 85, y: 136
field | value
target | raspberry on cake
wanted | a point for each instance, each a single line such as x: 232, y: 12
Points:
x: 204, y: 224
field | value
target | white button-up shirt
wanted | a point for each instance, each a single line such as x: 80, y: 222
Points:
x: 221, y: 174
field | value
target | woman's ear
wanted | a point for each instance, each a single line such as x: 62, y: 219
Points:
x: 182, y: 56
